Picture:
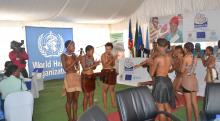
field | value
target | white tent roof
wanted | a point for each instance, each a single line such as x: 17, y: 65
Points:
x: 78, y: 11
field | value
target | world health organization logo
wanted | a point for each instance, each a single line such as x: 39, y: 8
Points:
x: 50, y: 44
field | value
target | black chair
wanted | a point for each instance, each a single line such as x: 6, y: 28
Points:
x: 93, y: 114
x: 211, y: 105
x: 137, y: 104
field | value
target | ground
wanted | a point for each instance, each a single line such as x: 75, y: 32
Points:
x: 51, y: 105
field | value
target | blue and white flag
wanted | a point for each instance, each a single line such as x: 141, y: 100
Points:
x: 44, y: 47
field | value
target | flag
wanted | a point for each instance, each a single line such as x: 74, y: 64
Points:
x: 140, y: 39
x: 130, y: 39
x: 147, y: 40
x: 136, y: 39
x: 139, y: 43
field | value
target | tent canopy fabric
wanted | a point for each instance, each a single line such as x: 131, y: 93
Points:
x: 77, y: 11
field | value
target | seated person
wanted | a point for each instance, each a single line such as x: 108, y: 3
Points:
x: 12, y: 83
x: 7, y: 64
x: 143, y: 52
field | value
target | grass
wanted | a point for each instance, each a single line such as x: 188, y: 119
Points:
x: 51, y: 105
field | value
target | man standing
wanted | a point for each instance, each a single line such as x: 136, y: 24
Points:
x: 163, y: 89
x: 18, y: 56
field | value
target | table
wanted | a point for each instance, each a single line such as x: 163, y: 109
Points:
x: 128, y: 75
x: 34, y: 85
x: 200, y: 74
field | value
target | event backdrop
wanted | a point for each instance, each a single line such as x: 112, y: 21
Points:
x: 202, y: 26
x: 44, y: 47
x: 194, y: 27
x: 169, y: 27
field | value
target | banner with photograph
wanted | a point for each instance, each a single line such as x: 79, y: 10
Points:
x: 116, y: 37
x: 168, y: 27
x: 117, y: 40
x: 45, y: 45
x: 201, y: 26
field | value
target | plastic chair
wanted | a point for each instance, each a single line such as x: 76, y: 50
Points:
x: 37, y: 82
x: 19, y: 106
x: 37, y: 75
x: 93, y: 114
x: 137, y: 104
x: 211, y: 105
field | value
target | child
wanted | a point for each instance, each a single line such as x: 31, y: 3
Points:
x: 189, y: 82
x: 209, y: 62
x: 72, y: 81
x: 163, y: 89
x: 108, y: 75
x: 87, y: 76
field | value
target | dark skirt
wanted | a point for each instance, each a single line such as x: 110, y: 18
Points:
x: 88, y: 82
x: 109, y: 76
x: 163, y: 91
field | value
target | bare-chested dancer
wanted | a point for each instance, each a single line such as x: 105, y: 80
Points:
x: 162, y: 89
x: 108, y: 75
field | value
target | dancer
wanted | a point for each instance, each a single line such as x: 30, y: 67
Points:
x: 210, y: 64
x: 108, y: 75
x: 72, y: 82
x: 178, y: 61
x: 162, y: 89
x: 87, y: 76
x: 149, y: 61
x: 189, y: 82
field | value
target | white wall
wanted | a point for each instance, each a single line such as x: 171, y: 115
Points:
x: 96, y: 35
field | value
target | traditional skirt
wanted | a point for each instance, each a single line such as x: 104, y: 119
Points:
x: 163, y: 91
x: 189, y: 82
x: 208, y: 76
x: 211, y: 75
x: 109, y: 76
x: 72, y: 82
x: 88, y: 82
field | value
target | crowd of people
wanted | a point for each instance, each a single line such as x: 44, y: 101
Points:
x: 14, y: 72
x: 162, y: 60
x: 183, y: 60
x: 75, y: 82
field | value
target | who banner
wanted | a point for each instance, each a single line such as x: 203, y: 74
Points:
x: 44, y: 47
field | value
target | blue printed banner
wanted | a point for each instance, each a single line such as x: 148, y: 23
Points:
x: 44, y: 47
